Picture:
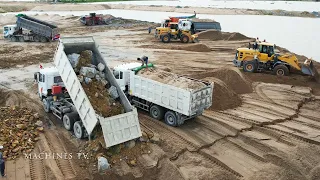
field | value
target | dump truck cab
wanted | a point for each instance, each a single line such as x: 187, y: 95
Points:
x: 9, y: 30
x: 47, y: 78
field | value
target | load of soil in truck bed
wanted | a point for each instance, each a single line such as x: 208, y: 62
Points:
x: 171, y: 79
x: 96, y: 87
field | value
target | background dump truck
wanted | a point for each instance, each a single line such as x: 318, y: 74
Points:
x: 77, y: 109
x: 171, y: 102
x: 199, y: 25
x: 31, y: 29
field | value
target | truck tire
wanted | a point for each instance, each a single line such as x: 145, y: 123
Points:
x: 281, y: 70
x: 89, y: 23
x: 21, y: 39
x: 36, y: 38
x: 69, y: 119
x: 165, y: 38
x: 184, y: 39
x: 46, y: 105
x: 156, y: 112
x: 171, y: 119
x: 78, y: 130
x: 43, y: 39
x: 250, y: 66
x: 13, y: 39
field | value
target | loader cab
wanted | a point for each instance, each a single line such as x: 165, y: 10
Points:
x: 9, y: 30
x: 46, y: 78
x: 266, y: 49
x: 122, y: 74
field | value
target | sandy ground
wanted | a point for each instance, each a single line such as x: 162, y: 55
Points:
x: 259, y: 127
x: 30, y: 6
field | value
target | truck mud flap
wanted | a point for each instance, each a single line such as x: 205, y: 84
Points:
x: 309, y: 69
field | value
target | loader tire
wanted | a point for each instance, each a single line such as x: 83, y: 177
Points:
x: 171, y: 119
x: 78, y: 130
x: 36, y: 38
x: 165, y: 38
x: 281, y: 70
x: 250, y: 66
x: 156, y: 112
x: 69, y: 119
x: 184, y: 39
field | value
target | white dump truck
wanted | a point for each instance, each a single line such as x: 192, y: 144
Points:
x: 62, y: 94
x: 163, y: 99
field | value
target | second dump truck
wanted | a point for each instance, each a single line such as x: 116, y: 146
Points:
x: 63, y: 95
x: 169, y: 100
x: 30, y: 29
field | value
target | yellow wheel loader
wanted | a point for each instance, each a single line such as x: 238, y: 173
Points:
x: 174, y: 32
x: 261, y: 57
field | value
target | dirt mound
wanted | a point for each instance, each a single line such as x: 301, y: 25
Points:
x: 196, y: 47
x: 232, y: 77
x: 236, y: 37
x: 213, y: 35
x: 223, y: 97
x: 170, y: 79
x: 19, y: 130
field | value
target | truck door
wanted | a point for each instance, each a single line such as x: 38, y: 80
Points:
x: 42, y: 87
x: 119, y: 78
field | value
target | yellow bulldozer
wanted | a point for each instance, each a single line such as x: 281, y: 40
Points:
x: 176, y: 31
x: 261, y: 56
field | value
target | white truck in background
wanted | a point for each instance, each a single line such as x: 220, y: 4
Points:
x: 161, y: 100
x: 74, y: 108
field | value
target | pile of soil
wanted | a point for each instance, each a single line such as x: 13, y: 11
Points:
x: 232, y: 77
x: 101, y: 100
x: 223, y: 97
x: 19, y: 130
x: 196, y: 47
x: 171, y: 79
x: 215, y: 35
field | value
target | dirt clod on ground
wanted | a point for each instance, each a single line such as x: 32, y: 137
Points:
x: 197, y: 48
x: 101, y: 100
x: 171, y: 79
x: 18, y: 130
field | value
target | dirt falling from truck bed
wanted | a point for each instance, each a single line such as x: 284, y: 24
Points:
x: 101, y: 100
x: 171, y: 79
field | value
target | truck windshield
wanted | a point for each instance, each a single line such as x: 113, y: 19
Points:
x: 5, y: 28
x: 57, y: 79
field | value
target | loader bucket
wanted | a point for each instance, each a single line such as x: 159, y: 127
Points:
x: 195, y: 40
x: 308, y: 68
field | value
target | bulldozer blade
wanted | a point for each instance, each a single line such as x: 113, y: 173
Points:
x: 195, y: 40
x: 309, y: 69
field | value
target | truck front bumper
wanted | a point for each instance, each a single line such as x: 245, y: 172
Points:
x: 237, y: 63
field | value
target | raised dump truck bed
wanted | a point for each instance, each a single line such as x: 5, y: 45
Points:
x: 116, y: 129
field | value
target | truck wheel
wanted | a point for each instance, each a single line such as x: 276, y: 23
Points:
x: 281, y: 70
x: 170, y: 118
x: 13, y: 39
x: 36, y: 38
x: 89, y: 23
x: 156, y: 112
x: 21, y: 39
x: 43, y: 39
x: 184, y: 39
x: 46, y: 105
x: 68, y: 120
x: 78, y: 130
x: 165, y: 38
x: 249, y: 66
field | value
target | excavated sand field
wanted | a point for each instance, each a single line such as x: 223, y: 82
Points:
x: 259, y: 127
